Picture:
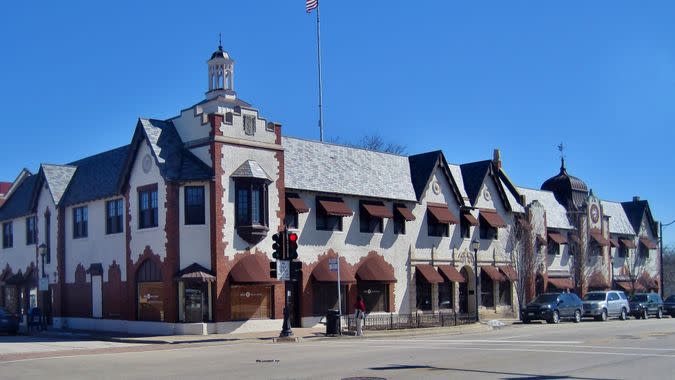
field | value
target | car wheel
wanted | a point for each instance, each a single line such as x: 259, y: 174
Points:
x: 659, y: 313
x: 603, y: 315
x: 645, y: 314
x: 623, y: 315
x: 555, y: 318
x: 526, y: 320
x: 577, y: 316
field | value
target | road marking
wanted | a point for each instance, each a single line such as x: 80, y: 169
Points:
x: 479, y: 341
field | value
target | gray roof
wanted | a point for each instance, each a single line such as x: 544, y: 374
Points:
x: 20, y: 202
x: 251, y: 169
x: 556, y: 215
x: 511, y: 198
x: 456, y: 173
x: 58, y: 177
x: 618, y: 221
x: 329, y: 168
x: 96, y: 177
x: 175, y: 162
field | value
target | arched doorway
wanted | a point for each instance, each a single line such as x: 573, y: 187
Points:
x: 150, y: 292
x: 467, y: 289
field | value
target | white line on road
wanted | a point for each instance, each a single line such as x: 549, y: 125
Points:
x: 479, y: 341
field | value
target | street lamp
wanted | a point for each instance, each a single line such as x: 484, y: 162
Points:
x: 475, y: 245
x: 42, y: 249
x: 661, y: 225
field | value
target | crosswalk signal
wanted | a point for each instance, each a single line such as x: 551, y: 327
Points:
x: 278, y: 246
x: 273, y: 269
x: 292, y: 246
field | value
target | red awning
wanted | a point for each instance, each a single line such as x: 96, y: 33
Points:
x: 195, y: 272
x: 492, y: 218
x: 557, y: 238
x: 429, y: 273
x: 336, y: 208
x: 470, y: 219
x: 597, y: 280
x: 510, y: 272
x: 647, y: 242
x: 628, y: 243
x: 561, y: 283
x: 493, y: 273
x: 378, y: 211
x: 405, y: 213
x: 627, y: 286
x: 542, y: 240
x: 298, y: 204
x: 451, y: 273
x: 597, y: 236
x: 252, y: 269
x: 614, y: 242
x: 322, y: 272
x: 375, y: 268
x: 441, y: 213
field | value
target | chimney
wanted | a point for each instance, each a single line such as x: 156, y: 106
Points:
x: 497, y: 158
x: 636, y: 199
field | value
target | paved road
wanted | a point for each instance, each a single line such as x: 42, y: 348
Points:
x: 591, y: 350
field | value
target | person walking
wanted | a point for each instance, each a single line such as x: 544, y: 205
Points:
x: 359, y: 315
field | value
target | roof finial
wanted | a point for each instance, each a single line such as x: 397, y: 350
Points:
x: 561, y: 149
x: 220, y: 41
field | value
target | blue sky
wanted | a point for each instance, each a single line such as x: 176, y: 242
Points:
x: 464, y: 78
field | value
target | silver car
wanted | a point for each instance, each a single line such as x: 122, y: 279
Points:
x: 602, y: 305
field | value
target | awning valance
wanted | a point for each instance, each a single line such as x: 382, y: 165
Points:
x: 470, y: 219
x: 441, y: 213
x: 429, y: 273
x: 628, y: 243
x: 561, y: 283
x: 374, y: 268
x: 451, y: 273
x: 492, y: 218
x: 647, y: 242
x: 599, y: 239
x: 557, y: 238
x: 322, y: 273
x: 493, y: 273
x: 298, y: 204
x: 628, y: 286
x: 336, y: 207
x: 252, y: 269
x: 378, y: 211
x: 614, y: 242
x: 195, y: 272
x: 510, y: 272
x: 405, y: 213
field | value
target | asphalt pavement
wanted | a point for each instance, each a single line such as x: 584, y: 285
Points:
x: 590, y: 350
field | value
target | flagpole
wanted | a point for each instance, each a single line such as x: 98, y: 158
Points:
x: 318, y: 55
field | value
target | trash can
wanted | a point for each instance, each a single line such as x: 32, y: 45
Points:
x: 332, y: 322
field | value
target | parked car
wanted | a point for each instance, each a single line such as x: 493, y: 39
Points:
x: 669, y: 305
x: 553, y: 307
x: 9, y: 322
x: 602, y: 305
x: 642, y: 305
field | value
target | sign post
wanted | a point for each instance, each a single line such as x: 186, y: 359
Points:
x: 334, y: 266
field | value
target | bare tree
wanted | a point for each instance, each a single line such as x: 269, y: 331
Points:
x: 579, y: 248
x: 524, y: 255
x: 668, y: 270
x: 373, y: 142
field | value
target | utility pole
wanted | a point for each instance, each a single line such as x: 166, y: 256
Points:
x: 661, y: 225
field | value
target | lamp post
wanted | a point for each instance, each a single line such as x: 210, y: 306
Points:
x: 661, y: 225
x: 42, y: 249
x: 475, y: 245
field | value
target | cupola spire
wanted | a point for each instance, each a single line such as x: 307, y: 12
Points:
x: 221, y: 73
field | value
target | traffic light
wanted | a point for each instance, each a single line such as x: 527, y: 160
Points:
x: 292, y: 246
x: 278, y: 246
x: 273, y: 269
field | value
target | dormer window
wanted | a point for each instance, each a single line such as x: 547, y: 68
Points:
x: 401, y: 215
x: 439, y: 219
x: 490, y: 222
x: 294, y: 207
x: 251, y: 201
x: 625, y: 245
x: 555, y: 240
x: 466, y: 222
x: 372, y: 215
x: 329, y: 213
x: 7, y: 235
x: 80, y: 222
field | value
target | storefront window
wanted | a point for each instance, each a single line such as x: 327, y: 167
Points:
x: 251, y: 302
x: 196, y: 302
x: 423, y: 288
x: 375, y: 295
x: 505, y: 293
x: 486, y: 290
x: 445, y: 300
x: 326, y: 298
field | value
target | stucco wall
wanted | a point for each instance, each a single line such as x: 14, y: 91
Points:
x: 195, y: 240
x: 20, y: 255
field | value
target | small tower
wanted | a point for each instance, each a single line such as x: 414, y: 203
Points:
x: 221, y: 75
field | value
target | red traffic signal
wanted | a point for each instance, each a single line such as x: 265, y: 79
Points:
x: 293, y: 237
x: 292, y: 245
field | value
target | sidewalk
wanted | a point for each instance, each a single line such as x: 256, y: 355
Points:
x: 267, y: 336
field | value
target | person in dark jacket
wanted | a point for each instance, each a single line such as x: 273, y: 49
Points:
x: 359, y: 315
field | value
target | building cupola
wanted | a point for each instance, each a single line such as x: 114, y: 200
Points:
x: 570, y: 191
x: 221, y: 75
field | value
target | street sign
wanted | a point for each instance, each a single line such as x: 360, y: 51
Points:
x: 333, y: 265
x: 283, y: 270
x: 44, y: 284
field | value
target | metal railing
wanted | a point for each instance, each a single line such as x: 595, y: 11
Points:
x: 394, y: 321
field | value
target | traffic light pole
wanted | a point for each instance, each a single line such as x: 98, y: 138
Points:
x: 286, y: 327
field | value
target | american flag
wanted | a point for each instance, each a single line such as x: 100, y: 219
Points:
x: 311, y: 4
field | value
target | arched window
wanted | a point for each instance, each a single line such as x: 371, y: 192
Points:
x: 150, y: 292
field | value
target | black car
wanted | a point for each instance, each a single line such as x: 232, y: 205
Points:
x: 669, y: 305
x: 552, y: 307
x: 642, y: 305
x: 9, y: 322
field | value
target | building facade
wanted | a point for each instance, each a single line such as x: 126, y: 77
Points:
x: 171, y: 234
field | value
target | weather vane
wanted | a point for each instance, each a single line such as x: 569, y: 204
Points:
x: 220, y: 40
x: 561, y: 149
